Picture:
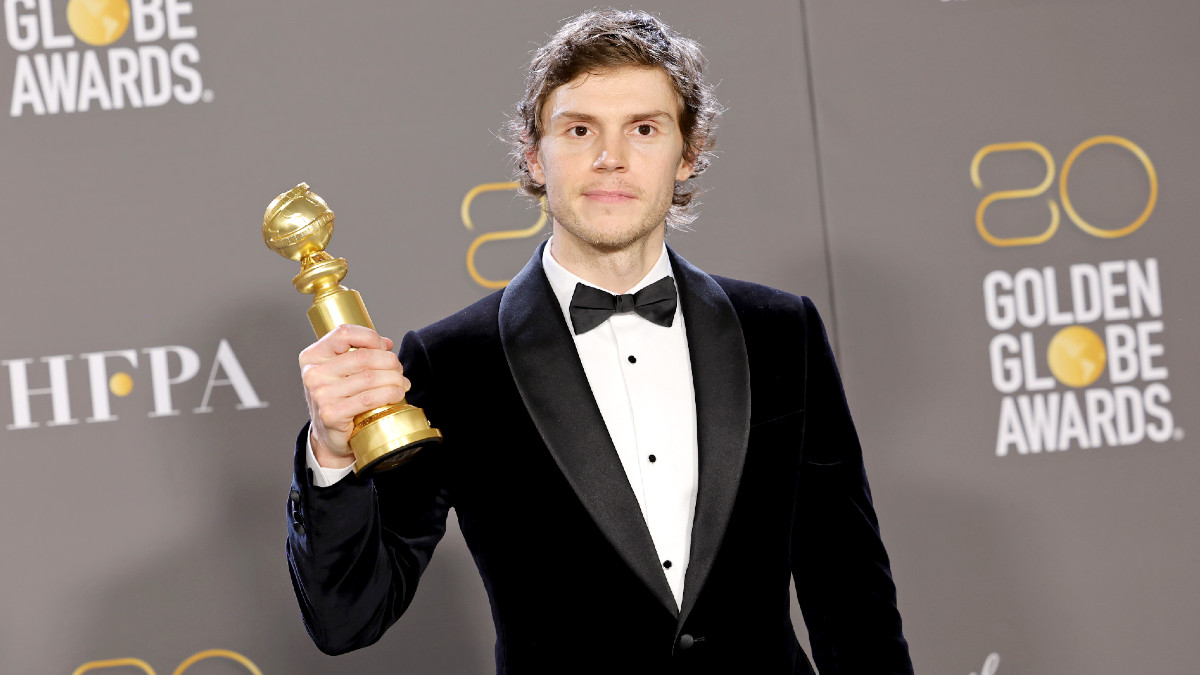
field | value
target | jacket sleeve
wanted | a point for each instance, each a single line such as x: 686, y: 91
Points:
x: 356, y: 549
x: 842, y: 574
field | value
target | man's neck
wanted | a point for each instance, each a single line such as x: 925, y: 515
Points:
x: 614, y: 270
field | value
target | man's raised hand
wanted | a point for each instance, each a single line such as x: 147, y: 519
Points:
x: 348, y: 372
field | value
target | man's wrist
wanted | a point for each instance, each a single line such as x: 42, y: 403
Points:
x: 324, y: 475
x: 321, y: 454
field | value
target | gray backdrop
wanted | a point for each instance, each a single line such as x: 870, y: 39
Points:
x: 150, y: 345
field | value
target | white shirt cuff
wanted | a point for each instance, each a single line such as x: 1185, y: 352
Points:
x: 323, y: 477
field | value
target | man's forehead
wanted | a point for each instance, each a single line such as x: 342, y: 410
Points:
x: 641, y: 88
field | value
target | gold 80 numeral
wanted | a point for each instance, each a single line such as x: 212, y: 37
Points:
x: 494, y: 236
x: 1063, y: 191
x: 187, y: 663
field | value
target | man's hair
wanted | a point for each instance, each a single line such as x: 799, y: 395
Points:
x: 608, y: 38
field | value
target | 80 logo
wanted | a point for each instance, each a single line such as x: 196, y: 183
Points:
x: 93, y: 666
x: 1063, y: 190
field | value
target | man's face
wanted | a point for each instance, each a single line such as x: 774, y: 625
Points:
x: 610, y: 154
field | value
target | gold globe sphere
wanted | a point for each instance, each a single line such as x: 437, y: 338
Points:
x: 98, y: 22
x: 298, y: 223
x: 1077, y: 356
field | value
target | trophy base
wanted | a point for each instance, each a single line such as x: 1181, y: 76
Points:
x: 387, y: 437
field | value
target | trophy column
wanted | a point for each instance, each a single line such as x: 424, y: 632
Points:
x: 298, y: 225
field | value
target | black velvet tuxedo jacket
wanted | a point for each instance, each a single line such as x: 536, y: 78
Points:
x: 543, y: 502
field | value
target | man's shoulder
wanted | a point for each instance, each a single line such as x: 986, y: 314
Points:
x: 477, y: 321
x: 780, y: 329
x: 752, y: 301
x: 758, y: 302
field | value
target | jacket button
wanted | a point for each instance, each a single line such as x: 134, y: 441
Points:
x: 686, y: 641
x: 294, y: 496
x: 297, y: 516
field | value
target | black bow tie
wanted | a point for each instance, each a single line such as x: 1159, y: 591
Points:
x: 591, y: 306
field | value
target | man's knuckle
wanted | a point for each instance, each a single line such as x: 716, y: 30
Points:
x: 311, y: 378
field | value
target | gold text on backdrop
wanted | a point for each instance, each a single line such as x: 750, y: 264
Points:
x: 1064, y: 194
x: 92, y: 666
x: 494, y: 236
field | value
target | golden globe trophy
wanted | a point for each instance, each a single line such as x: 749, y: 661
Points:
x: 298, y: 225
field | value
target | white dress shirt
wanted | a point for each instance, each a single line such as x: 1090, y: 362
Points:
x: 640, y: 374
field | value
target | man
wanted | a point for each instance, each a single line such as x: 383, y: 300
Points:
x: 638, y: 471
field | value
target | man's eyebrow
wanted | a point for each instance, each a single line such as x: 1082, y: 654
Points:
x: 572, y: 116
x: 576, y: 116
x: 653, y: 114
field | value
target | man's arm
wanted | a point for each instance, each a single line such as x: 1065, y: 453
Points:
x: 843, y: 578
x: 357, y: 548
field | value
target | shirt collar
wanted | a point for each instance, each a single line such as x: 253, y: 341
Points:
x: 563, y: 280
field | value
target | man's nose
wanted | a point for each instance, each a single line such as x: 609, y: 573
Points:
x: 612, y: 155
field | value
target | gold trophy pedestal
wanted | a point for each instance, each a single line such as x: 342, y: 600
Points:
x: 387, y: 437
x: 298, y: 225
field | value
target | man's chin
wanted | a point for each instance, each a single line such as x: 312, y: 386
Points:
x: 608, y: 232
x: 611, y: 245
x: 610, y: 238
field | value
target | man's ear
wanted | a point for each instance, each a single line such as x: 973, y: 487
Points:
x: 533, y: 161
x: 685, y: 170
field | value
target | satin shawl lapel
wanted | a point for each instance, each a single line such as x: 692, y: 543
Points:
x: 546, y: 369
x: 721, y: 377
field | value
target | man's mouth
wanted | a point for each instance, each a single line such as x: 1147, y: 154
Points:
x: 610, y: 196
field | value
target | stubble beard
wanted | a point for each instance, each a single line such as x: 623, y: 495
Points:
x: 608, y: 239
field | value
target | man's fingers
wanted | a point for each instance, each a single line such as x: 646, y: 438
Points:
x: 359, y: 360
x: 347, y: 372
x: 353, y: 385
x: 341, y: 340
x: 340, y: 412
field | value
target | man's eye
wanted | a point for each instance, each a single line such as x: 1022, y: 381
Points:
x: 579, y: 131
x: 645, y: 129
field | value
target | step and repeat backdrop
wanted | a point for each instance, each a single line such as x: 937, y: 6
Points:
x: 992, y: 202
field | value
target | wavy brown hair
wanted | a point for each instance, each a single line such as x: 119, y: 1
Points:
x: 608, y: 38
